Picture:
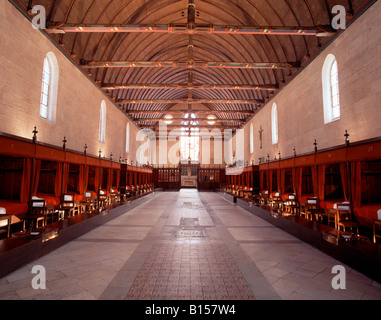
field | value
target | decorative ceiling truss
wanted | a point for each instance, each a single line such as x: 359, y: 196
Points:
x: 189, y: 64
x: 189, y: 86
x: 318, y: 31
x: 238, y: 54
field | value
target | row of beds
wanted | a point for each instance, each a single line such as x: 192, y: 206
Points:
x: 337, y: 213
x: 42, y: 206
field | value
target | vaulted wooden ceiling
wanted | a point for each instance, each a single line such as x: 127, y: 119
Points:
x: 230, y: 56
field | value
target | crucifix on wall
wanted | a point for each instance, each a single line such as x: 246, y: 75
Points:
x: 261, y: 137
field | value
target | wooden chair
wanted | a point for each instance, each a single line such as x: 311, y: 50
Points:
x: 248, y: 192
x: 89, y: 202
x: 291, y: 204
x: 69, y: 205
x: 264, y: 197
x: 5, y: 220
x: 377, y: 227
x: 311, y: 210
x: 240, y: 192
x: 114, y: 195
x: 37, y: 218
x: 344, y: 218
x: 133, y: 191
x: 276, y: 200
x: 103, y: 199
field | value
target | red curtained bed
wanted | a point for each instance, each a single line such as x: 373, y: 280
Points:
x: 14, y: 207
x: 50, y: 199
x: 368, y: 212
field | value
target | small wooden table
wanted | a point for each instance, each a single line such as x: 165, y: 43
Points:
x: 9, y: 218
x: 376, y: 223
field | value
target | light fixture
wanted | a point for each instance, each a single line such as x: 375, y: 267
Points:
x: 168, y: 119
x: 211, y: 120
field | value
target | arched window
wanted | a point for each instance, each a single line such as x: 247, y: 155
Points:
x: 102, y: 122
x: 190, y: 138
x: 251, y: 138
x: 49, y: 88
x: 331, y: 98
x: 274, y: 124
x: 128, y: 138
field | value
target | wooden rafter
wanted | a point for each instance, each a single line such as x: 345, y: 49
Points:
x: 193, y: 86
x: 189, y: 64
x: 184, y: 28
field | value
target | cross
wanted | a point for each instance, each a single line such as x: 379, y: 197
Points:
x: 100, y: 153
x: 316, y: 144
x: 111, y: 156
x: 268, y: 158
x: 279, y: 155
x: 64, y: 143
x: 85, y: 147
x: 35, y: 135
x: 294, y: 151
x: 261, y: 136
x: 346, y: 135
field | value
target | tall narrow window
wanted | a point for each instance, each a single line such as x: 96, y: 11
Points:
x: 274, y: 124
x: 189, y: 148
x: 251, y: 138
x: 331, y: 97
x: 128, y: 138
x: 49, y: 88
x: 335, y: 91
x: 102, y: 122
x: 45, y: 89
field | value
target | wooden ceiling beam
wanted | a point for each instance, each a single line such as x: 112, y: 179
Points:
x: 190, y: 64
x: 178, y: 127
x: 188, y: 101
x: 193, y: 86
x: 191, y: 28
x: 182, y: 119
x: 197, y: 112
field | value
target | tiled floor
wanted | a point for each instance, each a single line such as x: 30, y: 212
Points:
x: 188, y: 246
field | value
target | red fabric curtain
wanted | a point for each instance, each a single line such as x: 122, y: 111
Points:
x: 25, y: 183
x: 109, y: 179
x: 96, y: 178
x: 261, y: 180
x: 81, y: 180
x: 356, y: 183
x: 65, y: 178
x: 315, y: 183
x: 58, y: 180
x: 36, y: 176
x: 117, y: 182
x: 321, y: 173
x: 100, y: 178
x: 129, y: 178
x: 282, y: 181
x: 294, y: 180
x: 344, y: 180
x: 299, y: 181
x: 270, y: 181
x: 85, y: 178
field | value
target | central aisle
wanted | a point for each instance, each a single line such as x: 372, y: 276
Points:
x: 188, y: 255
x: 190, y: 246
